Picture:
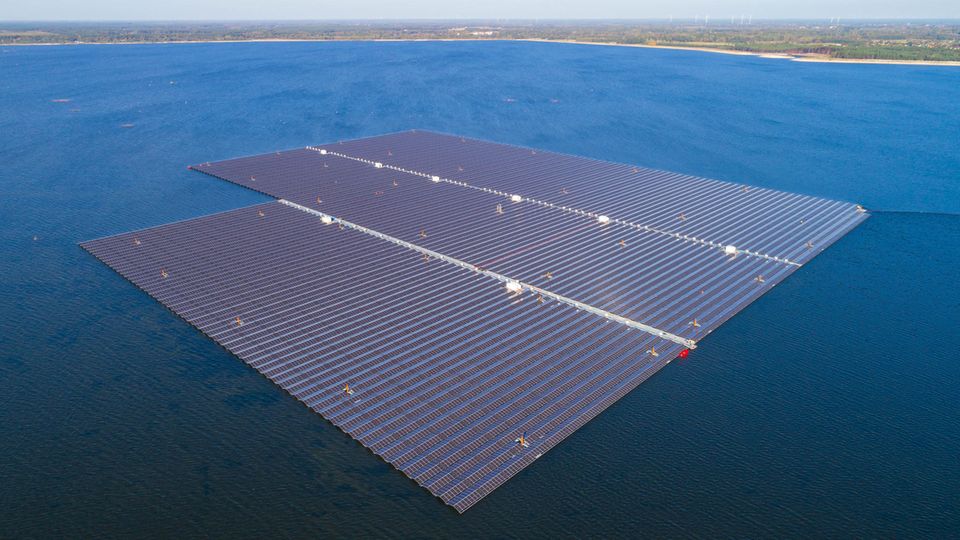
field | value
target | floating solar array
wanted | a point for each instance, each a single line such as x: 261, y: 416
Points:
x: 766, y: 221
x: 458, y: 306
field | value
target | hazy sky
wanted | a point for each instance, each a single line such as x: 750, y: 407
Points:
x: 486, y: 9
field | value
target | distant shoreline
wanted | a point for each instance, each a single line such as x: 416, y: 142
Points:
x: 776, y: 56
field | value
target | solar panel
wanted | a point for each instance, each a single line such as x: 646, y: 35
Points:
x: 673, y: 281
x: 762, y: 220
x: 437, y: 297
x: 446, y: 369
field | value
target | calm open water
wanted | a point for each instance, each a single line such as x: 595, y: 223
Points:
x: 831, y: 406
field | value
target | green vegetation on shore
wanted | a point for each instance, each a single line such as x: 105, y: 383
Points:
x: 891, y: 40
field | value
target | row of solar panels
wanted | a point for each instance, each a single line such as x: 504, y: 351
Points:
x: 446, y: 369
x: 434, y: 366
x: 682, y: 287
x: 773, y: 222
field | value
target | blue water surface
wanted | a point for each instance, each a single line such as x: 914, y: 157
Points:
x: 828, y: 407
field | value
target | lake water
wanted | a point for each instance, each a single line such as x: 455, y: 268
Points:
x: 828, y: 407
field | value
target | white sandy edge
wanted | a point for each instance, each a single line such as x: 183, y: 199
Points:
x: 818, y: 59
x: 821, y: 59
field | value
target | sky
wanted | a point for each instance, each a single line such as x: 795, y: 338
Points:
x: 170, y: 10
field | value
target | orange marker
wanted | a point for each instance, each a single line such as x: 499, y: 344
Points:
x: 522, y: 440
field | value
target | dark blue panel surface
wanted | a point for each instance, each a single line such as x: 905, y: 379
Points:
x: 674, y: 281
x: 446, y: 368
x: 386, y: 276
x: 763, y: 220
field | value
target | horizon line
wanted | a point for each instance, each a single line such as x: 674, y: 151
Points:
x: 674, y: 19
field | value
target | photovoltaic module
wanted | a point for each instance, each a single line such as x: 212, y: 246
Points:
x: 458, y: 306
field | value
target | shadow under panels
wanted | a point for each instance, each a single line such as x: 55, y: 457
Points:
x: 380, y: 300
x: 446, y: 370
